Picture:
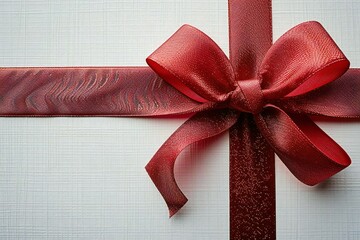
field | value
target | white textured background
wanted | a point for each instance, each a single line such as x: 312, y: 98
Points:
x: 84, y: 178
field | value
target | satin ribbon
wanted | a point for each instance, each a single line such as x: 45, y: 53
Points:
x: 301, y: 61
x: 264, y: 94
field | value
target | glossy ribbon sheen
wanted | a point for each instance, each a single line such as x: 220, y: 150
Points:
x: 264, y: 94
x: 302, y: 60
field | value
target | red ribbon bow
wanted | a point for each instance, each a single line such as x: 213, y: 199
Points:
x: 280, y: 98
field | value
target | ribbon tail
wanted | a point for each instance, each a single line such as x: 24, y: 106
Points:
x: 310, y: 154
x: 201, y: 126
x: 252, y: 185
x: 89, y: 91
x: 338, y: 99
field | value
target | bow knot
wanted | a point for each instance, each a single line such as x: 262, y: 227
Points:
x: 247, y: 97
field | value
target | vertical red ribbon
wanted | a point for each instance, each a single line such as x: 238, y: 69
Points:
x: 252, y: 171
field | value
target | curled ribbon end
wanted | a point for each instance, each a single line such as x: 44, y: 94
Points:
x: 174, y: 209
x: 172, y: 195
x: 342, y: 167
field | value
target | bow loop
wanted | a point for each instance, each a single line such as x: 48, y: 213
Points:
x: 194, y: 64
x: 303, y: 59
x: 310, y: 154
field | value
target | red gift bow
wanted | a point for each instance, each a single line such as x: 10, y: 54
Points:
x: 262, y: 93
x: 302, y: 60
x: 279, y: 97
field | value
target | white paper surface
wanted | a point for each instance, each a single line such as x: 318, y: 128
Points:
x: 84, y: 178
